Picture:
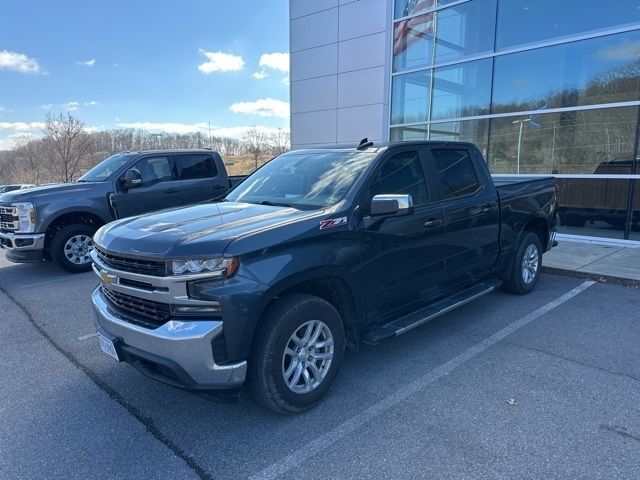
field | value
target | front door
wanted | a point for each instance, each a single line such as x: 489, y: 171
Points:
x: 404, y: 256
x: 159, y: 189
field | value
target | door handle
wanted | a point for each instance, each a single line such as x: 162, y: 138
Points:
x: 171, y: 190
x: 488, y: 208
x: 432, y: 223
x: 219, y: 186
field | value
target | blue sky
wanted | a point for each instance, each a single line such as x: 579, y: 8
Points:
x: 162, y: 65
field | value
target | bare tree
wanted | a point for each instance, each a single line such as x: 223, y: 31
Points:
x: 279, y: 142
x: 30, y: 157
x: 255, y: 141
x: 67, y: 143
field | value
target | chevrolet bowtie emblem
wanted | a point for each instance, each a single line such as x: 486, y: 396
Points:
x: 107, y: 278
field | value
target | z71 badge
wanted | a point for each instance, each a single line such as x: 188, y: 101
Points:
x: 332, y: 222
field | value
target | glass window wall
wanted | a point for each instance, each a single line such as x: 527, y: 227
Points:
x: 525, y: 22
x: 596, y: 71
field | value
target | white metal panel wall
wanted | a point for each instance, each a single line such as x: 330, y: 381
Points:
x: 340, y: 52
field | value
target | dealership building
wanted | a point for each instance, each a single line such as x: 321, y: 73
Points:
x: 540, y: 86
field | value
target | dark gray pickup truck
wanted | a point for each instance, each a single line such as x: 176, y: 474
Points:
x: 58, y: 221
x: 316, y: 250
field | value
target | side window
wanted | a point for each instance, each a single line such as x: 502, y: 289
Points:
x: 197, y: 166
x: 456, y: 172
x: 401, y: 174
x: 154, y: 170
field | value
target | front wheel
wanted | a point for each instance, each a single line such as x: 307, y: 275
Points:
x: 296, y: 354
x: 525, y: 270
x: 71, y: 246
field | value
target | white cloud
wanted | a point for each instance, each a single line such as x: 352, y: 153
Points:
x: 625, y: 51
x: 19, y: 62
x: 261, y: 74
x: 71, y: 106
x: 275, y: 61
x: 264, y: 107
x: 21, y: 127
x: 86, y: 63
x: 220, y: 62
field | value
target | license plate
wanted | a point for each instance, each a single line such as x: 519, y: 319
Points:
x: 108, y: 347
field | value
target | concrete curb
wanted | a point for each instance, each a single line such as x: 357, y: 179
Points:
x: 598, y: 277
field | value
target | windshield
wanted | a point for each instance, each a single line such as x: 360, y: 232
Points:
x: 300, y: 180
x: 105, y: 169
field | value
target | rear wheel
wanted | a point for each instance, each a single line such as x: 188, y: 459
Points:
x: 525, y: 270
x: 297, y: 353
x: 71, y: 246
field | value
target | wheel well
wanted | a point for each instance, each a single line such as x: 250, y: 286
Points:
x: 335, y: 291
x: 73, y: 218
x: 541, y: 229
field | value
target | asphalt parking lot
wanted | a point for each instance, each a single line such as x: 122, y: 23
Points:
x: 541, y: 386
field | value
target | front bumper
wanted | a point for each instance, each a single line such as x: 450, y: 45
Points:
x: 23, y: 248
x: 178, y: 353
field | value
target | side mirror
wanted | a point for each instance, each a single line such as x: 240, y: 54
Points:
x: 132, y: 178
x: 391, y: 205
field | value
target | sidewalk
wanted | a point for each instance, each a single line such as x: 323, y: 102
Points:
x: 615, y: 264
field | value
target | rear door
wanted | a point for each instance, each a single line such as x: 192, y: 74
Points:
x: 406, y: 256
x: 201, y: 180
x: 160, y: 188
x: 471, y: 213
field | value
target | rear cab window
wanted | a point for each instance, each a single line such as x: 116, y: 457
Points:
x: 197, y: 166
x: 455, y: 173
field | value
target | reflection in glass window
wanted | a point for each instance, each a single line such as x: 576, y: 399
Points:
x: 465, y: 29
x: 410, y: 98
x: 413, y: 132
x: 523, y: 22
x: 413, y: 42
x: 462, y: 90
x: 599, y: 70
x: 595, y: 207
x: 404, y: 8
x: 473, y: 131
x: 568, y: 142
x: 635, y: 213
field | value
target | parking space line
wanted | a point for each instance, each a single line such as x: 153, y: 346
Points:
x: 313, y: 448
x: 54, y: 280
x: 89, y: 335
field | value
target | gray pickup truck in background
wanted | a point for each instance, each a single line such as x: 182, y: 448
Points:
x: 58, y: 221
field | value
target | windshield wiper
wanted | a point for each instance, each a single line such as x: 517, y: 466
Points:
x: 274, y: 204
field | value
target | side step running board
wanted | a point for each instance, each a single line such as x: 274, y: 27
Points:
x: 422, y: 316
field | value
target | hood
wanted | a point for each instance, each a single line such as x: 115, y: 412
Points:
x: 197, y: 231
x: 33, y: 194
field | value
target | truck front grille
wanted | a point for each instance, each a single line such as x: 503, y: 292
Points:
x: 155, y: 268
x: 147, y: 313
x: 8, y: 219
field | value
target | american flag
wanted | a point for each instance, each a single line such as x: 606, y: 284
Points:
x: 415, y: 6
x: 409, y: 31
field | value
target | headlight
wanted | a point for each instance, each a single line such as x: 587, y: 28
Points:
x: 26, y: 214
x: 217, y: 267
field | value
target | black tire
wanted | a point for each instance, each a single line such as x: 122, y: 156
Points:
x: 60, y: 239
x: 517, y: 283
x: 265, y: 376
